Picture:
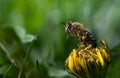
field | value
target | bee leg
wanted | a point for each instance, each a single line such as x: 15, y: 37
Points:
x: 81, y: 46
x: 78, y: 44
x: 89, y: 46
x: 78, y: 41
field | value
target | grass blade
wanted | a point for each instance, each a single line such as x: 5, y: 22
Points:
x: 9, y: 69
x: 25, y: 60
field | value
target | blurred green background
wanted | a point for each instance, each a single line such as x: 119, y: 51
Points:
x: 23, y: 20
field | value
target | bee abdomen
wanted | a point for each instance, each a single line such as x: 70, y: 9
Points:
x: 88, y: 38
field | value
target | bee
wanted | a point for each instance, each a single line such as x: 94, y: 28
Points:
x: 83, y: 35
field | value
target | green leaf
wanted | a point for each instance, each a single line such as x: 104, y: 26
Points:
x: 57, y: 73
x: 10, y: 46
x: 113, y: 69
x: 42, y: 70
x: 116, y: 48
x: 24, y: 37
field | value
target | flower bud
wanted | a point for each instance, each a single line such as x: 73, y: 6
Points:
x: 89, y: 62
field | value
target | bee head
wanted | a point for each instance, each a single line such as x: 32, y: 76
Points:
x: 73, y: 28
x: 68, y: 27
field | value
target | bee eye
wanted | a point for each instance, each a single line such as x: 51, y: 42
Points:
x: 69, y: 25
